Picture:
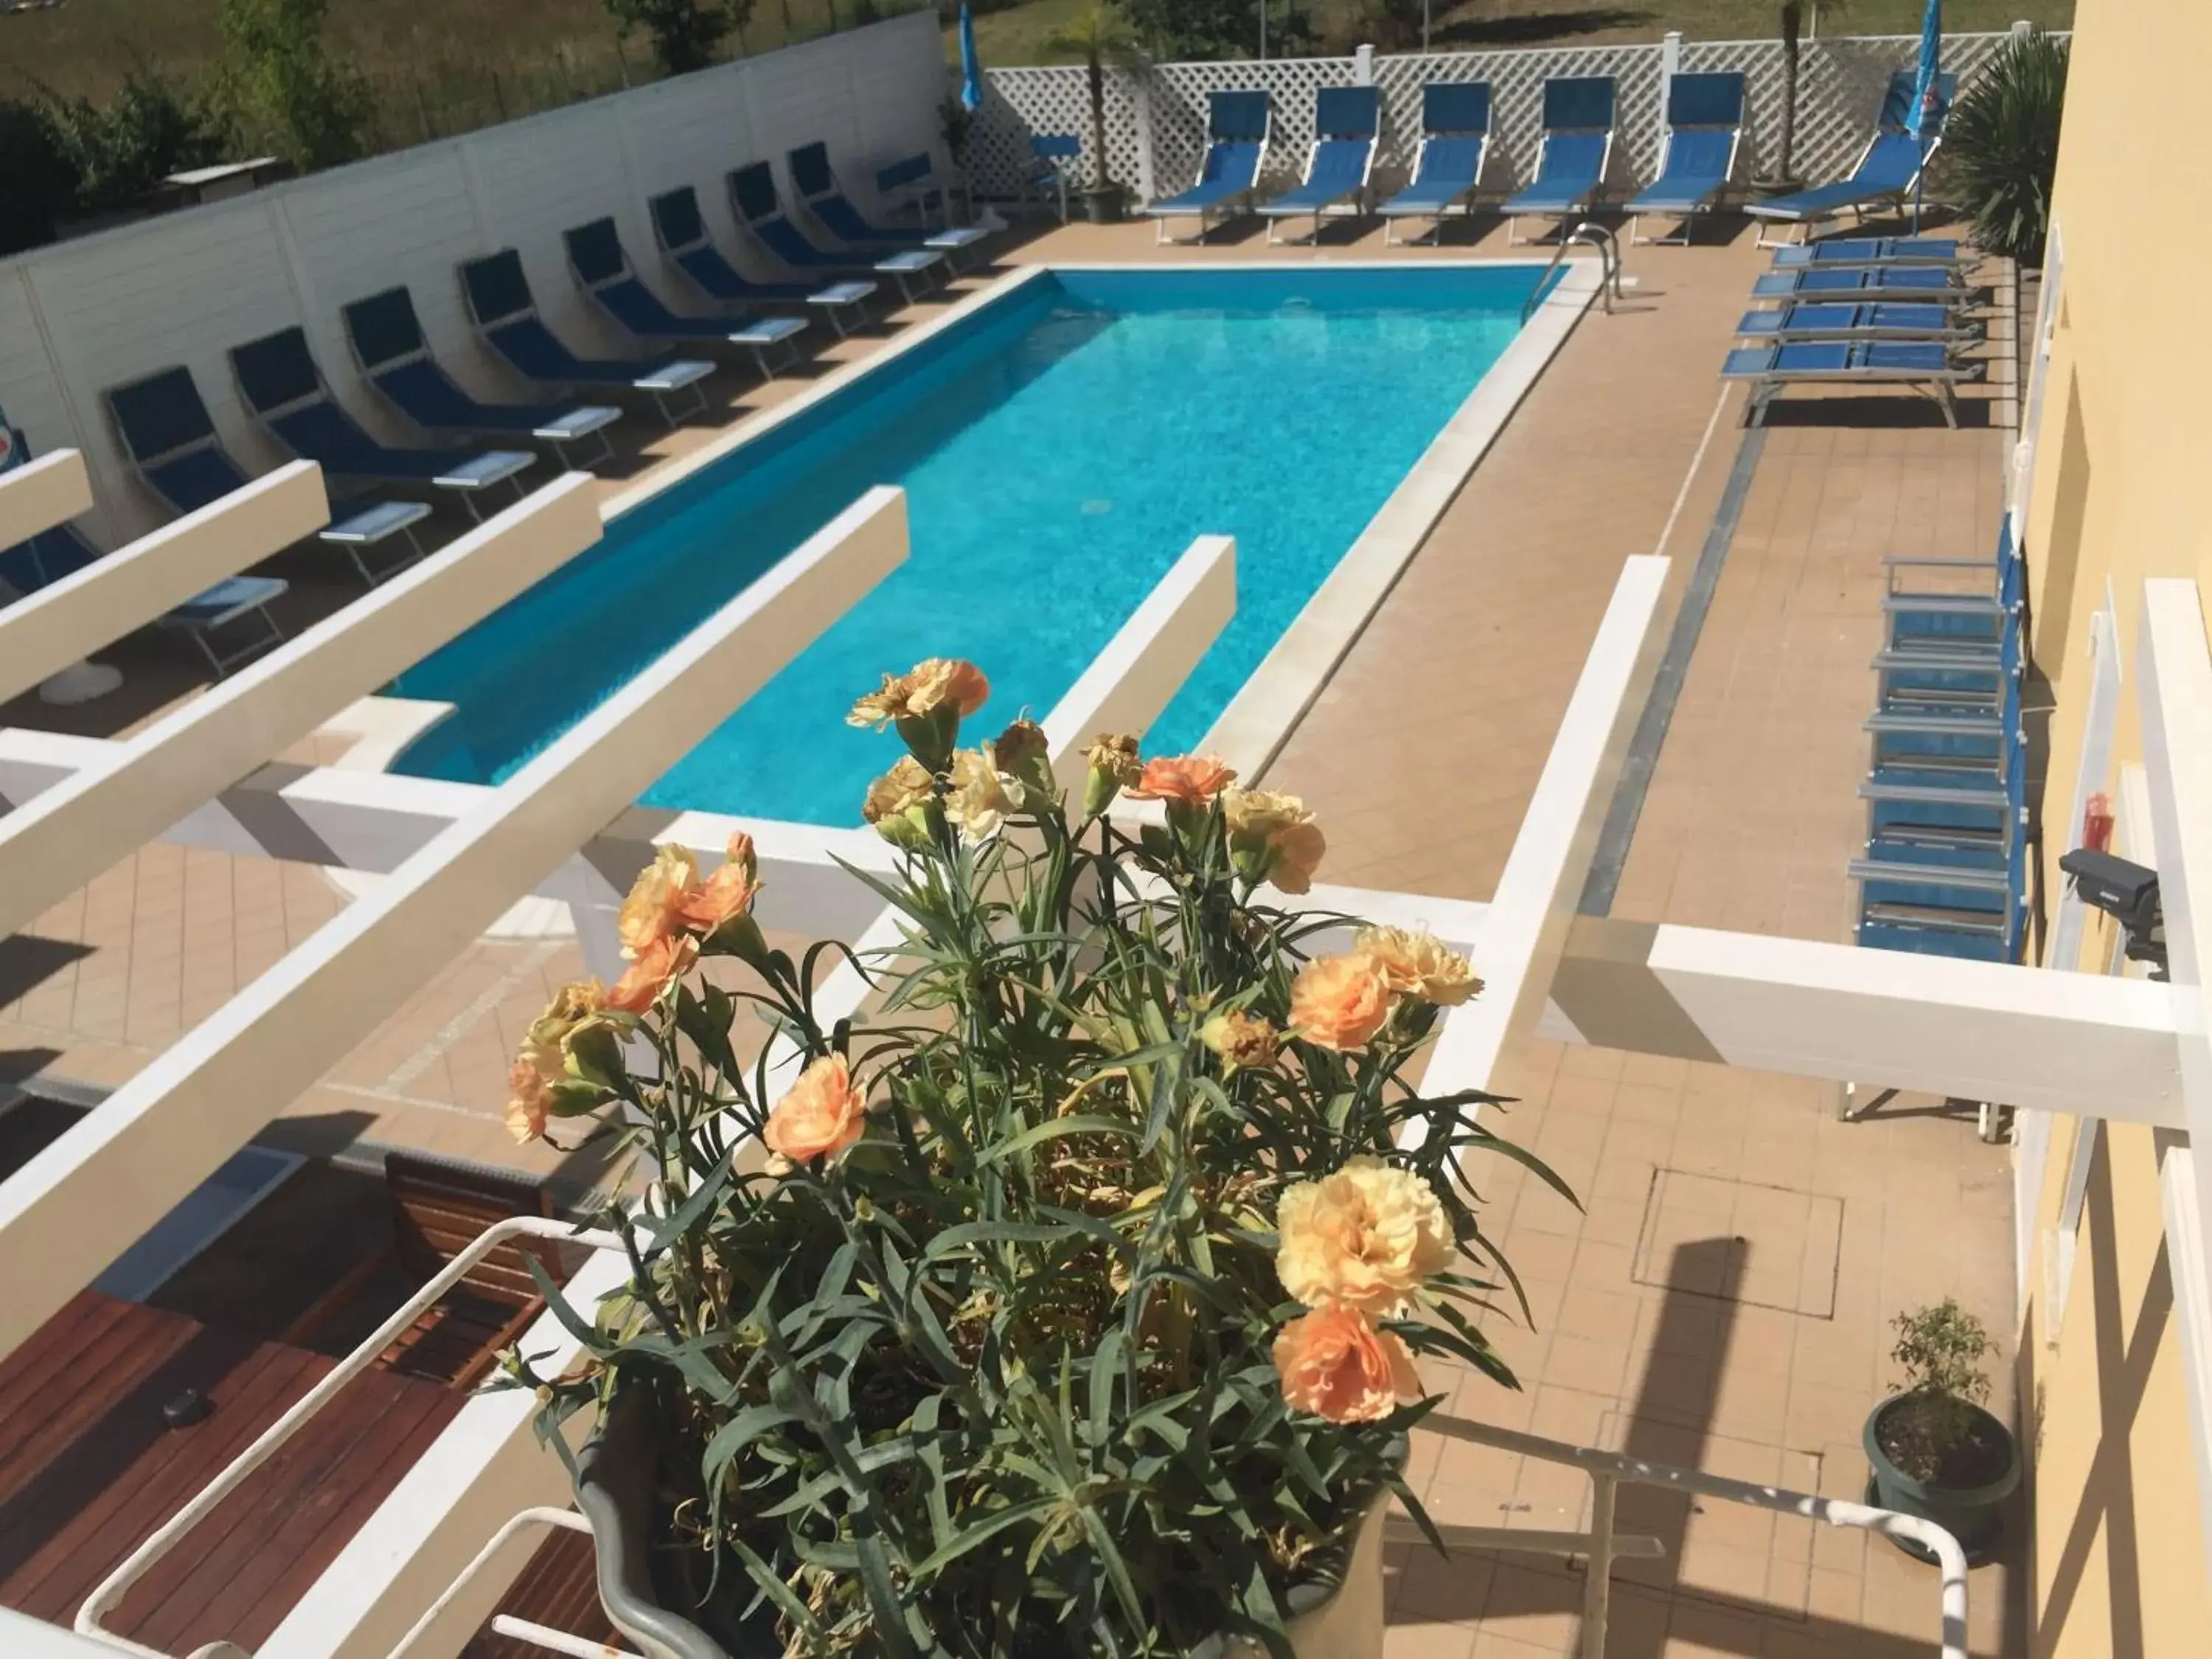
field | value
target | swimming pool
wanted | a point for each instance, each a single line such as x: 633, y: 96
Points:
x: 1061, y: 447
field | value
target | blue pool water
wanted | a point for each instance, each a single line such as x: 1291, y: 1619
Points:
x: 1059, y: 449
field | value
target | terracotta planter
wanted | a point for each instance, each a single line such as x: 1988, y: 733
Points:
x: 1970, y: 1514
x: 1339, y: 1620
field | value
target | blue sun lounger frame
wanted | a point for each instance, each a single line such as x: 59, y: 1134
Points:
x: 282, y: 386
x: 601, y: 266
x: 1237, y: 128
x: 1874, y: 254
x: 60, y: 552
x: 759, y: 208
x: 1455, y: 154
x: 1798, y: 323
x: 1883, y: 176
x: 165, y: 432
x: 497, y: 291
x: 385, y: 339
x: 1768, y: 369
x: 1347, y: 122
x: 1698, y: 158
x: 1574, y: 154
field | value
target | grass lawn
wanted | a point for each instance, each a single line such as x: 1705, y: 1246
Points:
x: 1018, y: 35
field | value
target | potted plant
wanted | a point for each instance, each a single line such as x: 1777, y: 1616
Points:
x: 1935, y: 1452
x: 1075, y: 1304
x: 1101, y: 36
x: 1999, y: 155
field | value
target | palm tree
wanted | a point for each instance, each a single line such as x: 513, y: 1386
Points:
x: 1794, y: 14
x: 1102, y: 35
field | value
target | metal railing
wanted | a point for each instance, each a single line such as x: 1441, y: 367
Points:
x: 1608, y: 256
x: 1601, y: 1544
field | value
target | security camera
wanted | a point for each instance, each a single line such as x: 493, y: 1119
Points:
x: 2126, y: 892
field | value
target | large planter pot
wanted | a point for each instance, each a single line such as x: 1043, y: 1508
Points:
x: 1341, y: 1618
x: 1103, y: 205
x: 1970, y: 1514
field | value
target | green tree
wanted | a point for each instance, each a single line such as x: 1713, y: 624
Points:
x: 38, y: 186
x: 1196, y: 28
x: 282, y: 91
x: 118, y: 152
x: 685, y: 33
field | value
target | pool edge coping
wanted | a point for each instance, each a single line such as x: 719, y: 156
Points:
x: 1274, y: 701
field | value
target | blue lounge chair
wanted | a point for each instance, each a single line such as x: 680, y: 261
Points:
x: 1455, y: 149
x: 1767, y: 369
x: 912, y: 184
x: 1573, y: 155
x: 1872, y: 253
x: 1704, y: 133
x: 1925, y: 284
x: 1886, y: 170
x: 682, y: 234
x: 1797, y: 323
x: 1236, y: 129
x: 497, y: 292
x: 753, y: 198
x: 54, y: 555
x: 394, y: 359
x: 283, y: 388
x: 601, y: 267
x: 166, y: 435
x: 1347, y: 120
x: 1053, y: 156
x: 821, y: 195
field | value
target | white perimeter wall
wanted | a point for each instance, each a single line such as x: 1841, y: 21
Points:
x: 84, y: 315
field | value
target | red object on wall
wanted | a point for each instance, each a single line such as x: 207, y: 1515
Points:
x: 2097, y: 823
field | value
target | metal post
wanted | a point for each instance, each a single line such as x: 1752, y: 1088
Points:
x: 1597, y: 1584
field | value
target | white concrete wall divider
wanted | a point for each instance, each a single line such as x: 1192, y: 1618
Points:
x: 1524, y: 932
x: 139, y: 583
x: 73, y: 831
x: 34, y: 498
x: 83, y: 1199
x: 1970, y: 1030
x: 81, y: 316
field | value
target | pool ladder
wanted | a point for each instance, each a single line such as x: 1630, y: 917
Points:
x: 1609, y: 254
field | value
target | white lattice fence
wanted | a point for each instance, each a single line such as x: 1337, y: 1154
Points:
x: 1839, y: 93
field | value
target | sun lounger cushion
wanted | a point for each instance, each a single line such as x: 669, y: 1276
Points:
x: 1572, y: 165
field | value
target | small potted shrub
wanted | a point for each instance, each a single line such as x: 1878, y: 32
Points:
x: 1935, y: 1452
x: 1067, y: 1306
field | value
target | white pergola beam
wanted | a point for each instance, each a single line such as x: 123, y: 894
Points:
x: 1524, y: 932
x: 136, y: 584
x: 41, y: 494
x: 73, y: 831
x: 82, y: 1201
x: 1969, y: 1030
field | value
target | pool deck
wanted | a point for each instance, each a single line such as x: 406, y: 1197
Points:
x: 1722, y: 1297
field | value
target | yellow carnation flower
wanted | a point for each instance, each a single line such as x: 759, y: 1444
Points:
x: 1363, y: 1237
x: 1417, y: 963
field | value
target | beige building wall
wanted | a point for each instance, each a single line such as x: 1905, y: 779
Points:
x: 2122, y: 449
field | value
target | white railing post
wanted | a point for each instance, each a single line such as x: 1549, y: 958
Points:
x: 1363, y: 67
x: 1597, y: 1586
x: 2023, y: 28
x: 1670, y: 65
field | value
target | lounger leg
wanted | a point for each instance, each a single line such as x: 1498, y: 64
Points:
x: 1949, y: 404
x: 1635, y: 229
x: 469, y: 500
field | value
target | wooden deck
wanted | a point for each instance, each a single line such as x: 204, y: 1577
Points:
x: 89, y: 1468
x: 558, y: 1589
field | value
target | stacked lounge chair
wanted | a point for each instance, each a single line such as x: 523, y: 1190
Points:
x: 171, y: 443
x: 1704, y: 137
x: 1573, y: 155
x: 499, y: 303
x: 601, y: 267
x: 1884, y: 312
x: 236, y: 610
x: 1454, y: 150
x: 1347, y: 121
x: 1944, y: 868
x: 753, y: 198
x: 1053, y: 156
x: 1884, y: 176
x: 388, y: 347
x: 1236, y: 130
x: 682, y: 234
x: 283, y: 388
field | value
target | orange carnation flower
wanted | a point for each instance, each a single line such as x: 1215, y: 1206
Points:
x: 821, y: 1116
x: 1340, y: 1002
x: 1336, y: 1363
x: 1186, y: 779
x: 668, y: 957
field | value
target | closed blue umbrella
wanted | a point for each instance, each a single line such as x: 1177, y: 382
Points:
x: 1927, y: 98
x: 971, y: 66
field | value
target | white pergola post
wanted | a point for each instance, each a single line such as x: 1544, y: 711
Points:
x: 82, y: 1201
x: 41, y: 494
x: 72, y: 832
